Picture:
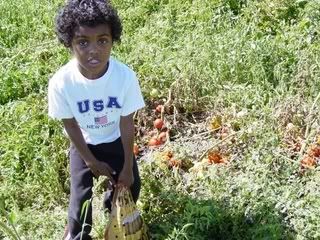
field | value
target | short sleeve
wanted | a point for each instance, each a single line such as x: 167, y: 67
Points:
x: 133, y: 99
x: 58, y: 107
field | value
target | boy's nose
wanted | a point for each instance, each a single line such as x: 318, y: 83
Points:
x: 93, y: 49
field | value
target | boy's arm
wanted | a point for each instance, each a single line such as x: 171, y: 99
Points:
x: 127, y: 137
x: 97, y: 167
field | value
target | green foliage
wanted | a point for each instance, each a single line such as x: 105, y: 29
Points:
x: 231, y: 42
x: 42, y: 222
x: 10, y: 218
x: 29, y: 53
x: 222, y: 56
x: 33, y: 160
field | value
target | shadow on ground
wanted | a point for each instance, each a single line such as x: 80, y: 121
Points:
x: 168, y: 213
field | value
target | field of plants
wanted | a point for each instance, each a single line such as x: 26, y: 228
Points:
x: 236, y: 84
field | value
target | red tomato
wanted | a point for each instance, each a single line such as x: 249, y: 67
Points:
x: 159, y: 108
x: 136, y: 149
x: 315, y: 151
x: 308, y: 162
x: 158, y: 123
x: 214, y: 157
x: 154, y: 142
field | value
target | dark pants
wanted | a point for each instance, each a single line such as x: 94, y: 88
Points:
x: 82, y: 182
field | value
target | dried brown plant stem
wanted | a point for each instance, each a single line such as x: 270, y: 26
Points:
x: 217, y: 144
x: 307, y: 134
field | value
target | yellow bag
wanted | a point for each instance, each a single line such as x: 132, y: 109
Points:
x: 125, y: 222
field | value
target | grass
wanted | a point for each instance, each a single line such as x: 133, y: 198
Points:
x: 254, y: 64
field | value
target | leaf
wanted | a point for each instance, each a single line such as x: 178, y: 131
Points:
x: 216, y: 122
x: 12, y: 217
x: 84, y: 208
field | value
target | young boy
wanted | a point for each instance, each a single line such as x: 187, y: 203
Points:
x: 95, y: 96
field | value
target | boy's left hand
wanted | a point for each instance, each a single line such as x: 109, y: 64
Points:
x: 125, y: 178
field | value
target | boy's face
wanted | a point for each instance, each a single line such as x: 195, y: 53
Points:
x: 92, y: 47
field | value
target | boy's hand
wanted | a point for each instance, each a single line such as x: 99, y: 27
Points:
x: 99, y: 168
x: 125, y: 178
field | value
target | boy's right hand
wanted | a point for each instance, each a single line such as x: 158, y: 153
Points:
x: 99, y: 168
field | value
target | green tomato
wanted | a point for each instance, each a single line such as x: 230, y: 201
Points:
x: 154, y: 93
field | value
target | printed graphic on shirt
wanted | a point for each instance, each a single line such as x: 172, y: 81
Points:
x: 89, y: 109
x: 98, y: 105
x: 83, y: 106
x: 113, y: 103
x: 101, y: 120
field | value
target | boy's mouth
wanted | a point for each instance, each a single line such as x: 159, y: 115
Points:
x: 93, y: 61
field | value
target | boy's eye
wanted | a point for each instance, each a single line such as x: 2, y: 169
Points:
x: 83, y: 43
x: 103, y: 41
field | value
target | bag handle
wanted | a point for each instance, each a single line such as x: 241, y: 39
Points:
x: 115, y: 195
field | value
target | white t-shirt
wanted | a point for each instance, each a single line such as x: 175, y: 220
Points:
x: 95, y: 104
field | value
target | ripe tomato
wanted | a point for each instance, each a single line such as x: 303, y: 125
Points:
x: 136, y: 149
x: 308, y: 162
x: 315, y: 151
x: 158, y: 123
x: 154, y: 142
x: 214, y: 157
x: 159, y: 108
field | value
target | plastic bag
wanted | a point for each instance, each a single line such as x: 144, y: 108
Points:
x: 125, y: 221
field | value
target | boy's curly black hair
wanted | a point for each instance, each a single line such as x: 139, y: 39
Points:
x: 89, y: 13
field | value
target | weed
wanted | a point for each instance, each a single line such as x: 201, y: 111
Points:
x: 255, y: 63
